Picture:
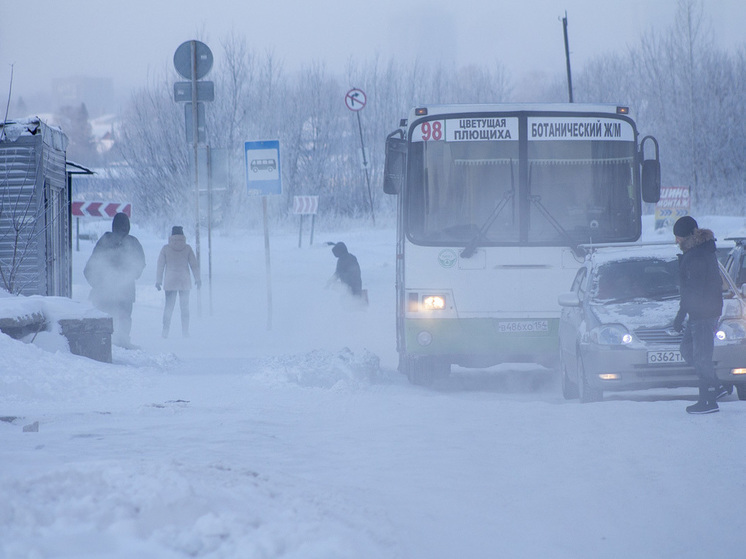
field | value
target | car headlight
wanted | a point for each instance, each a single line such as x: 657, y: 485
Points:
x: 611, y: 334
x: 732, y: 309
x: 731, y: 330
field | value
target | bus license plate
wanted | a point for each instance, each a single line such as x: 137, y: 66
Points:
x: 520, y: 326
x: 663, y: 357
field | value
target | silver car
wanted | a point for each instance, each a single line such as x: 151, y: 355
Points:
x: 616, y: 326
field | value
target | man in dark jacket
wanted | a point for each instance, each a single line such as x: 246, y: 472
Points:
x: 702, y: 300
x: 348, y: 270
x: 116, y: 262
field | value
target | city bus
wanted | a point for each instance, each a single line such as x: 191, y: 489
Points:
x: 494, y: 203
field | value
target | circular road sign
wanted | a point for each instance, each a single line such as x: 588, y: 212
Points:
x: 355, y: 99
x: 183, y: 59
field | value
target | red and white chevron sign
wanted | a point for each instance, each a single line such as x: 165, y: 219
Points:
x: 100, y: 209
x: 305, y: 204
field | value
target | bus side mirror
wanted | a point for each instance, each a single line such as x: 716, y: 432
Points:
x: 395, y: 166
x: 651, y: 174
x: 651, y: 181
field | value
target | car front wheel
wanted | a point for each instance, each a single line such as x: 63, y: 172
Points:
x: 587, y: 393
x: 569, y: 388
x: 741, y: 391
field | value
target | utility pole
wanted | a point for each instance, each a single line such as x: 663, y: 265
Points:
x: 567, y: 57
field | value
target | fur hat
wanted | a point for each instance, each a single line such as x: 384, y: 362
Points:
x: 177, y: 230
x: 684, y: 226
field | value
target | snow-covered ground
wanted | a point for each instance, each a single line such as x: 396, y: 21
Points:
x: 298, y: 439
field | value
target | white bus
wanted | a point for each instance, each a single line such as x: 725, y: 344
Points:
x: 493, y: 201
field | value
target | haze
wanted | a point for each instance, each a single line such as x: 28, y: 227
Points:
x: 130, y: 42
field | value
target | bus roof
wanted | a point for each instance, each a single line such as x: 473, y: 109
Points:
x: 608, y: 108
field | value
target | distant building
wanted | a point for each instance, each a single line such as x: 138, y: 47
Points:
x: 96, y: 93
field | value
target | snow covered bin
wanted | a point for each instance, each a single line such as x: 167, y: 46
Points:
x: 19, y: 326
x: 45, y: 320
x: 89, y: 337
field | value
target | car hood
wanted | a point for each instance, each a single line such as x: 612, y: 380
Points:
x: 637, y: 313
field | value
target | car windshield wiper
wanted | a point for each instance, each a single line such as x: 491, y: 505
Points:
x: 665, y: 296
x: 615, y: 300
x: 471, y: 246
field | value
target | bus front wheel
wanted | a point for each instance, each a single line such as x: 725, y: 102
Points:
x: 423, y: 370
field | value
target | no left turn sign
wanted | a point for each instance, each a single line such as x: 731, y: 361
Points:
x: 355, y: 99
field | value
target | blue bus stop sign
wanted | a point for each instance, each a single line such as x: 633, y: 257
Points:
x: 263, y: 175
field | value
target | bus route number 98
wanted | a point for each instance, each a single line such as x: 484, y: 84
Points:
x: 431, y: 130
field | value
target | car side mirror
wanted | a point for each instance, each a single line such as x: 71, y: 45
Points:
x: 570, y: 299
x: 742, y: 289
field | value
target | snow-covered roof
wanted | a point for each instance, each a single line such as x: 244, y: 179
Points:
x: 609, y: 108
x: 11, y: 130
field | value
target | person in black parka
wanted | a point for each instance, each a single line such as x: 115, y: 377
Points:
x: 701, y: 289
x: 116, y: 262
x: 347, y: 271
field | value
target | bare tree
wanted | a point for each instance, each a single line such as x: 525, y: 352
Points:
x: 152, y: 142
x: 680, y: 87
x: 690, y: 94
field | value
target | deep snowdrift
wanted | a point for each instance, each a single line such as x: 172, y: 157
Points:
x: 302, y: 441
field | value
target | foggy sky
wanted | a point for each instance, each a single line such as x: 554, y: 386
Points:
x: 131, y: 42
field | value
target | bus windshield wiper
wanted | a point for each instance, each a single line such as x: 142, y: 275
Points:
x: 471, y: 246
x: 536, y: 200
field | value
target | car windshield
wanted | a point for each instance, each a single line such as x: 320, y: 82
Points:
x: 626, y: 280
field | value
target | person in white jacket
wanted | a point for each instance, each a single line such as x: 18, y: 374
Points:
x: 174, y: 262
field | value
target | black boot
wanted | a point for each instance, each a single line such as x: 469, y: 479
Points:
x: 707, y: 402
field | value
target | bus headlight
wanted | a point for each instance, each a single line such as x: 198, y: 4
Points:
x: 611, y: 334
x: 433, y: 303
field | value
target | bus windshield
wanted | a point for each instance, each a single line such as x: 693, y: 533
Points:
x: 564, y: 192
x: 587, y: 187
x: 456, y: 186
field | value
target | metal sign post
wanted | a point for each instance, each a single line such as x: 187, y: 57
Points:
x: 195, y: 147
x: 264, y: 177
x: 304, y: 205
x: 193, y: 61
x: 355, y: 100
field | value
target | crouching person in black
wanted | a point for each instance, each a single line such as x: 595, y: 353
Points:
x: 702, y: 301
x: 347, y: 271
